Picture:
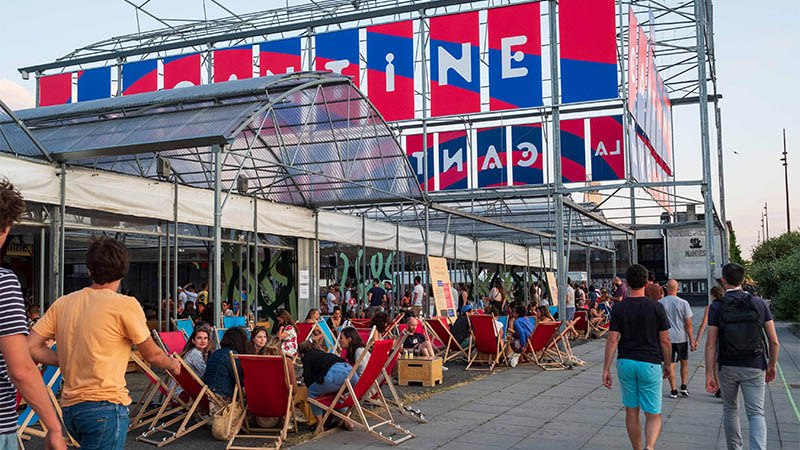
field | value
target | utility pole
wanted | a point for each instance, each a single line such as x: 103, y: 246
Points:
x: 763, y: 233
x: 766, y: 220
x: 786, y: 181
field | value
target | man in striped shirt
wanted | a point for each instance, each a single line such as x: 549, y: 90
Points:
x: 16, y: 366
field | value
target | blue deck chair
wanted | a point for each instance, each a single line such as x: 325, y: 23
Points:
x: 52, y: 380
x: 230, y: 322
x: 221, y: 333
x: 186, y: 326
x: 553, y: 310
x: 330, y: 340
x: 504, y: 321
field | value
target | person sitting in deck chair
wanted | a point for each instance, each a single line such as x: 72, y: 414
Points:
x: 219, y: 372
x: 460, y: 328
x: 323, y: 373
x: 523, y: 328
x: 417, y: 341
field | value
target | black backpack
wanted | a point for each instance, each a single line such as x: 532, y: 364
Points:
x: 741, y: 329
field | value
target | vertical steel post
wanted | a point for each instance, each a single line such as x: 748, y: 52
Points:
x: 62, y: 213
x: 159, y: 269
x: 426, y: 299
x: 364, y: 278
x: 256, y: 261
x: 527, y: 295
x: 42, y: 238
x: 588, y: 265
x: 558, y: 196
x: 613, y: 264
x: 718, y: 123
x: 708, y: 206
x: 168, y: 289
x: 217, y: 266
x: 785, y: 161
x: 175, y: 249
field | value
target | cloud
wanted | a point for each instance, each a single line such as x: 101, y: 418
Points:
x: 15, y: 96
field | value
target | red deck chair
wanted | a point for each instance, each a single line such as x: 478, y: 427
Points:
x: 173, y: 341
x: 385, y: 379
x: 580, y: 324
x: 489, y: 347
x: 360, y: 323
x: 349, y: 397
x: 366, y: 334
x: 440, y: 329
x: 392, y: 327
x: 304, y: 330
x: 201, y: 397
x: 273, y: 399
x: 598, y: 330
x: 542, y: 345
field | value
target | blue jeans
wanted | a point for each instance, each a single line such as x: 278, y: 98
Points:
x: 97, y: 425
x: 8, y: 441
x: 334, y: 380
x: 569, y: 311
x: 752, y: 381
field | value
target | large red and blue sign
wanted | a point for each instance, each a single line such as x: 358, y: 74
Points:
x: 55, y: 89
x: 276, y: 57
x: 492, y: 158
x: 453, y: 160
x: 573, y: 151
x: 390, y: 69
x: 416, y: 156
x: 94, y: 84
x: 515, y: 57
x: 588, y: 50
x: 182, y: 70
x: 526, y: 154
x: 455, y: 64
x: 338, y: 52
x: 233, y: 63
x: 608, y: 148
x: 140, y: 76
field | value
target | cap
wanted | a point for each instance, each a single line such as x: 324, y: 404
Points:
x: 466, y: 308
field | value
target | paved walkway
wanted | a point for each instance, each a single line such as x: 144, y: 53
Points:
x: 526, y: 408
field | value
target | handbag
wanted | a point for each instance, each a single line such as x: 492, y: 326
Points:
x: 227, y: 420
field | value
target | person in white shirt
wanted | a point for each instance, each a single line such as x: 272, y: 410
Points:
x: 331, y: 298
x: 570, y: 303
x: 182, y: 297
x: 416, y: 296
x: 353, y: 347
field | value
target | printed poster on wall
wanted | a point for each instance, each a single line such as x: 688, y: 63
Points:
x: 455, y: 64
x: 442, y: 288
x: 390, y: 69
x: 552, y: 287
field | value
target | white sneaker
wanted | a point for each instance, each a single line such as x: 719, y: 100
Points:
x: 513, y: 359
x: 445, y: 369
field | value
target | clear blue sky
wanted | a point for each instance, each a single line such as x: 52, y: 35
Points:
x: 757, y: 65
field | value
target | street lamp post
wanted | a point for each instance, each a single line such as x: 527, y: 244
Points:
x: 766, y: 221
x: 786, y: 181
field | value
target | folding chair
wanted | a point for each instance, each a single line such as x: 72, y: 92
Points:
x: 140, y: 412
x: 385, y: 378
x: 598, y: 330
x: 238, y: 321
x: 438, y: 327
x: 360, y: 323
x: 392, y: 328
x: 51, y: 376
x: 186, y: 326
x: 201, y: 396
x: 487, y: 342
x: 541, y: 345
x: 349, y: 397
x: 580, y: 324
x: 366, y: 334
x: 504, y: 321
x: 170, y: 341
x: 273, y: 399
x: 305, y: 331
x: 330, y: 339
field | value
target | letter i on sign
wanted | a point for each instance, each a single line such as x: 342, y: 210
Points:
x: 389, y: 72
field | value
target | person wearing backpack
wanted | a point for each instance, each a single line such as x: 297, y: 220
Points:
x: 736, y: 326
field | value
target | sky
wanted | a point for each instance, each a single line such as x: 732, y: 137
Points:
x: 756, y: 64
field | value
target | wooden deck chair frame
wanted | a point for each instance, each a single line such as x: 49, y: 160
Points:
x: 25, y: 430
x: 288, y: 417
x: 598, y: 331
x: 330, y: 338
x: 176, y: 324
x: 538, y: 355
x: 436, y: 327
x: 361, y: 420
x: 567, y: 354
x: 385, y: 378
x: 582, y: 334
x: 491, y: 360
x: 392, y: 328
x: 187, y: 412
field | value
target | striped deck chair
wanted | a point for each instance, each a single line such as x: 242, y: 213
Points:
x: 489, y: 347
x: 541, y: 346
x: 349, y: 397
x: 184, y: 325
x: 273, y: 399
x: 201, y: 397
x: 439, y: 328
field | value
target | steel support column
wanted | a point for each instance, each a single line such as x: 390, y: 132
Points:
x: 160, y: 269
x: 558, y: 197
x: 62, y: 212
x: 217, y: 263
x: 175, y: 249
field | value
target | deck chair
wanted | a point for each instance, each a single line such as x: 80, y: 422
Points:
x: 504, y: 321
x: 366, y: 334
x: 186, y: 326
x: 392, y: 329
x: 580, y: 324
x: 140, y: 412
x: 487, y: 343
x: 349, y: 397
x: 566, y: 348
x: 170, y: 341
x: 385, y: 379
x: 451, y: 348
x: 201, y: 396
x: 305, y: 330
x: 273, y: 399
x: 598, y: 331
x: 330, y: 339
x: 28, y: 419
x: 360, y: 323
x: 541, y: 346
x: 238, y: 321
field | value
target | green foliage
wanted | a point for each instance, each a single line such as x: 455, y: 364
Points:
x: 735, y: 250
x: 775, y: 266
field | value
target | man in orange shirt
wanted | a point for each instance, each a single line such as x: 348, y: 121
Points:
x: 94, y: 329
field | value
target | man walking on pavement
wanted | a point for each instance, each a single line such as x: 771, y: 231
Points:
x: 639, y: 327
x: 679, y: 314
x: 736, y: 325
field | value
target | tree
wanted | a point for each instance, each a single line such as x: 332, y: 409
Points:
x: 775, y: 266
x: 734, y: 250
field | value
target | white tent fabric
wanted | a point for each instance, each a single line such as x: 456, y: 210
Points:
x: 140, y: 197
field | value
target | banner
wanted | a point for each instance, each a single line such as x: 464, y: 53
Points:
x: 492, y: 157
x: 552, y: 287
x: 182, y: 71
x: 607, y: 147
x: 455, y: 64
x: 526, y: 154
x: 515, y: 57
x: 338, y: 52
x: 55, y: 89
x: 453, y: 160
x: 442, y: 288
x: 390, y: 69
x: 233, y: 63
x: 573, y: 151
x: 140, y: 76
x: 416, y: 156
x: 277, y: 57
x: 94, y: 84
x: 588, y: 47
